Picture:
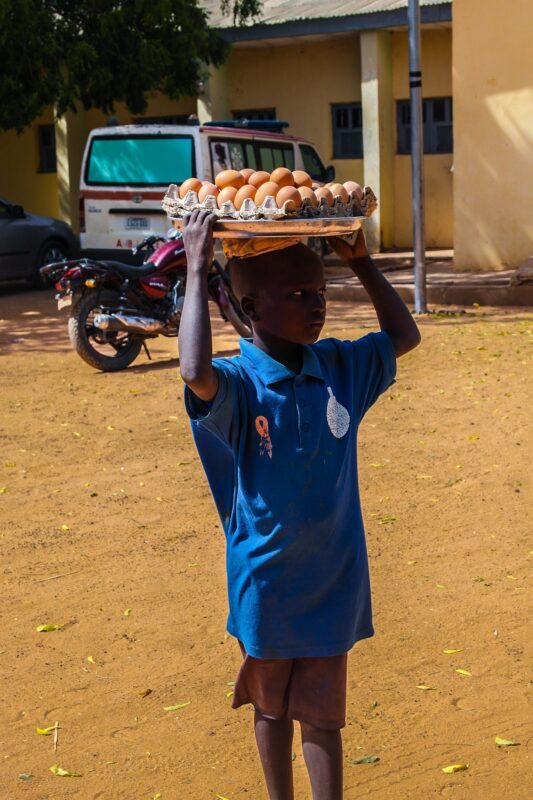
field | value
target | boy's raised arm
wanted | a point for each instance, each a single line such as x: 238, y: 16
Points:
x: 393, y: 315
x: 195, y: 348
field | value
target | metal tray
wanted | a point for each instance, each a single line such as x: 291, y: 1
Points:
x: 316, y: 226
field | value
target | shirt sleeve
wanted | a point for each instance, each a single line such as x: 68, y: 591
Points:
x: 220, y: 416
x: 374, y: 362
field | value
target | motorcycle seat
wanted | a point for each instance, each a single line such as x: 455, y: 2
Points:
x: 130, y: 270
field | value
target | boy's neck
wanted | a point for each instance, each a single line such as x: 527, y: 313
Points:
x: 287, y: 353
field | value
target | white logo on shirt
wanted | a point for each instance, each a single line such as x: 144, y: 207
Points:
x: 337, y: 417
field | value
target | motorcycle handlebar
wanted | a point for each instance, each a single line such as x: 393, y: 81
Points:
x: 147, y: 242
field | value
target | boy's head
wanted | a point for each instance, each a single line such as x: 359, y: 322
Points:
x: 282, y: 292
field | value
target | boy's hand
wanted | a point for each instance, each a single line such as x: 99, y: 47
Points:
x: 349, y: 252
x: 198, y: 240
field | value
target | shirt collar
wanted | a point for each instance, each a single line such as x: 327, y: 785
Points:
x: 271, y: 371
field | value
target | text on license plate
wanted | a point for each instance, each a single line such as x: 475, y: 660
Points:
x: 137, y: 223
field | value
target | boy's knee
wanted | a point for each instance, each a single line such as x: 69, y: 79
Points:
x: 310, y: 731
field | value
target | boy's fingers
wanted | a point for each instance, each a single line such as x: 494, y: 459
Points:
x: 206, y: 216
x: 190, y: 218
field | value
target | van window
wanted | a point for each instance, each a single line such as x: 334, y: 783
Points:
x: 312, y: 163
x: 274, y: 155
x: 139, y: 160
x: 231, y: 154
x: 251, y: 160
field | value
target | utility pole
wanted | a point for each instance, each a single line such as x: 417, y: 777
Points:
x: 417, y: 155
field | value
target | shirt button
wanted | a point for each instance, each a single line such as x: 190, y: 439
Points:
x: 305, y: 426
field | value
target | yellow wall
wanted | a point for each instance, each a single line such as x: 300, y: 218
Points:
x: 438, y: 196
x: 301, y: 81
x: 20, y: 179
x: 47, y: 193
x: 492, y: 79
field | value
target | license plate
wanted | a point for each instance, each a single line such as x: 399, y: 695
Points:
x: 138, y: 223
x: 63, y: 302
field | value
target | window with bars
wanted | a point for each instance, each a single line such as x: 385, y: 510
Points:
x: 437, y: 115
x: 255, y: 113
x: 46, y: 135
x: 347, y: 122
x: 168, y: 119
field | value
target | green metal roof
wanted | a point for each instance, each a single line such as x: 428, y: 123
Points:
x: 276, y: 12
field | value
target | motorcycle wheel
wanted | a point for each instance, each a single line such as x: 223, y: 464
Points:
x: 236, y: 317
x: 108, y: 351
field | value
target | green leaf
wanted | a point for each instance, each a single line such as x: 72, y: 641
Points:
x: 505, y: 742
x: 178, y: 706
x: 49, y: 627
x: 454, y: 768
x: 365, y: 760
x: 63, y: 773
x: 386, y: 519
x: 25, y: 776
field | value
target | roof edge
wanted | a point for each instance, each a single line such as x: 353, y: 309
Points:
x: 441, y: 12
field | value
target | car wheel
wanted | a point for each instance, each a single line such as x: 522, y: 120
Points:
x: 52, y: 250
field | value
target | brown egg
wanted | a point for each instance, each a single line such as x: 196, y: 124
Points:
x: 246, y: 172
x: 289, y: 195
x: 229, y: 177
x: 352, y: 186
x: 207, y: 189
x: 243, y: 194
x: 322, y: 192
x: 301, y: 178
x: 306, y: 192
x: 316, y: 185
x: 190, y: 185
x: 258, y: 178
x: 282, y: 176
x: 228, y: 193
x: 268, y: 189
x: 338, y: 190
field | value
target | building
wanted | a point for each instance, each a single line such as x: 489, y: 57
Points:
x: 338, y: 72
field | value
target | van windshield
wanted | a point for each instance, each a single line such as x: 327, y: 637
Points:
x: 139, y: 160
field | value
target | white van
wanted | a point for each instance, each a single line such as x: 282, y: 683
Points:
x: 127, y: 169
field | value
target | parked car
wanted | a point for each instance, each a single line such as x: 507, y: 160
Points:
x: 29, y: 241
x: 127, y: 169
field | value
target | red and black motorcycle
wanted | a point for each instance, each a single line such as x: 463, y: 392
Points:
x: 116, y: 307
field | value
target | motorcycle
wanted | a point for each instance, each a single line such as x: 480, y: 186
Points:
x: 116, y: 307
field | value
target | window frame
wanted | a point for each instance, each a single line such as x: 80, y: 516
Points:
x: 337, y: 132
x: 47, y: 150
x: 255, y: 113
x: 430, y: 126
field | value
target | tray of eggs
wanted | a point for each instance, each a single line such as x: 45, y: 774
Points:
x: 281, y: 203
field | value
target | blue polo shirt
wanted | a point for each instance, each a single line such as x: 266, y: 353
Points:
x: 280, y: 453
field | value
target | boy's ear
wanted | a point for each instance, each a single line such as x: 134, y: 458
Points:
x: 248, y: 305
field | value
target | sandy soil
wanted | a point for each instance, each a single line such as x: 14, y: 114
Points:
x: 105, y: 509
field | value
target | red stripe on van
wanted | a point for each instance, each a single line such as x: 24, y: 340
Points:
x: 108, y: 194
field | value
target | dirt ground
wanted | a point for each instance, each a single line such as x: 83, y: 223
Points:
x: 108, y: 528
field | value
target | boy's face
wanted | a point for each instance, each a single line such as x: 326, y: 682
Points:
x: 290, y: 299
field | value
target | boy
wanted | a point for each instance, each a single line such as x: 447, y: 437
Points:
x: 276, y: 432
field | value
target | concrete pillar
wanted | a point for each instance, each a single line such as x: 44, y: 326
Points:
x: 378, y: 134
x: 71, y: 135
x: 213, y: 101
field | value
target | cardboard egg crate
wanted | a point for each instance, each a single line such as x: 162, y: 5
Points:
x: 269, y: 220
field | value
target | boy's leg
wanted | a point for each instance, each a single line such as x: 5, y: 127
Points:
x: 274, y: 742
x: 322, y: 751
